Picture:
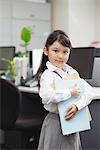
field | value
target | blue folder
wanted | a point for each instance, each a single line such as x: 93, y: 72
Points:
x: 80, y: 121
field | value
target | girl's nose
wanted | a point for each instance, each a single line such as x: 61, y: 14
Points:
x: 60, y: 55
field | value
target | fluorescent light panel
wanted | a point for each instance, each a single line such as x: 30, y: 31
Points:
x: 37, y: 1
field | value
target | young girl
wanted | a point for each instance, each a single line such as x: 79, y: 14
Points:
x: 54, y: 64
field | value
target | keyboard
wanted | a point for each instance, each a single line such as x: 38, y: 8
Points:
x: 2, y: 72
x: 31, y: 83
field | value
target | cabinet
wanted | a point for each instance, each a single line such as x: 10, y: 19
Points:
x: 5, y: 23
x: 29, y: 10
x: 35, y: 15
x: 15, y: 14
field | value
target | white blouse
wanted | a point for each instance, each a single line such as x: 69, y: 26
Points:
x: 48, y: 94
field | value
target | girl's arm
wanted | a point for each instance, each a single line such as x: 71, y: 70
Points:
x: 47, y: 90
x: 84, y: 101
x: 87, y: 96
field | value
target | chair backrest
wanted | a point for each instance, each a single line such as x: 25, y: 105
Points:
x: 10, y: 98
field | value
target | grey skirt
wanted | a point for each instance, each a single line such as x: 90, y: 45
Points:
x: 51, y: 137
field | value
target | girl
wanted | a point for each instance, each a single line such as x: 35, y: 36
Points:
x: 55, y: 56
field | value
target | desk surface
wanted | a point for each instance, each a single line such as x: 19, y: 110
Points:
x: 97, y: 93
x: 28, y: 89
x: 35, y: 90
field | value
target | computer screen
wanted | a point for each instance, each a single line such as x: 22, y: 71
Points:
x: 7, y: 53
x: 35, y: 56
x: 82, y: 59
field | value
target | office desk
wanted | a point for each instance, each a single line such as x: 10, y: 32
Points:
x: 35, y: 90
x: 89, y: 138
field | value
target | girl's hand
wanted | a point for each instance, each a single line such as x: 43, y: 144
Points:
x: 75, y: 91
x: 71, y: 112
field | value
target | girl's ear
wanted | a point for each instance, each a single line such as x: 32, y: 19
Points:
x: 45, y: 50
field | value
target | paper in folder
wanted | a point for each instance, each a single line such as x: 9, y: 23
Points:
x: 80, y: 121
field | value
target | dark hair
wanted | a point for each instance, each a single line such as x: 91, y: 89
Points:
x: 56, y: 35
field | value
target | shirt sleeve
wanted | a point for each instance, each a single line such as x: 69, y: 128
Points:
x: 87, y: 96
x: 47, y: 90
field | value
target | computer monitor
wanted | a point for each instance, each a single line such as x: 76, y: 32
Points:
x: 7, y: 52
x: 35, y: 56
x: 82, y: 59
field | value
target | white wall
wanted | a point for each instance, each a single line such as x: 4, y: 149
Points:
x: 97, y: 17
x: 60, y: 14
x: 80, y: 19
x: 81, y: 23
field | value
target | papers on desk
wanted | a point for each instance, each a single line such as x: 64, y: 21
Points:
x: 21, y: 68
x: 31, y: 83
x: 80, y: 121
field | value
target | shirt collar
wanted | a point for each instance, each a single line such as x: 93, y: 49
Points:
x: 51, y: 67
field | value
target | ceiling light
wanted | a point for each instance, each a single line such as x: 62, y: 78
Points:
x: 37, y: 1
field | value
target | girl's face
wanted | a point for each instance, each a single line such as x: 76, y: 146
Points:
x: 57, y: 54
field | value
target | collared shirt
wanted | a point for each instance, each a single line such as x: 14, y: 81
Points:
x: 47, y: 92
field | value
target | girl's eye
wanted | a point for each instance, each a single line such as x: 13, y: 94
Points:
x: 65, y: 52
x: 55, y: 50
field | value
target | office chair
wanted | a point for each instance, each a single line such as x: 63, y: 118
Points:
x: 9, y: 108
x: 18, y: 129
x: 30, y: 119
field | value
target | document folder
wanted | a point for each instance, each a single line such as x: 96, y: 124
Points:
x: 80, y: 121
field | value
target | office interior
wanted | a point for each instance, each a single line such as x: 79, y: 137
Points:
x: 80, y: 19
